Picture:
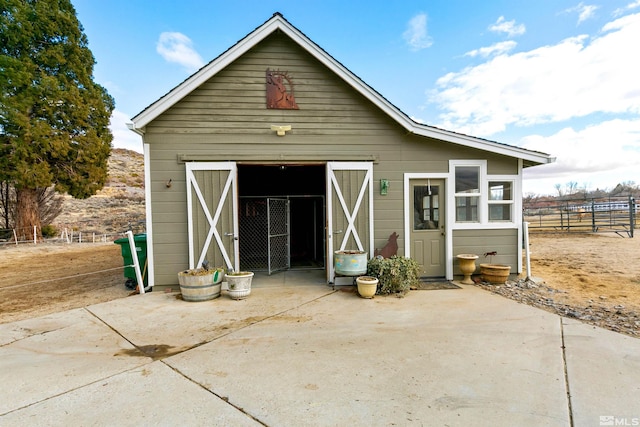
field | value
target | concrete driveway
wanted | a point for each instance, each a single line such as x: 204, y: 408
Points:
x: 299, y: 353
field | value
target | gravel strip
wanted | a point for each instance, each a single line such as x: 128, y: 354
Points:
x: 614, y: 318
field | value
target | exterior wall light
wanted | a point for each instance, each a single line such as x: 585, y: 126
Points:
x: 384, y: 187
x: 281, y: 130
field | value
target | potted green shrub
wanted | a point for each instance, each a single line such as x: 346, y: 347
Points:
x: 395, y: 275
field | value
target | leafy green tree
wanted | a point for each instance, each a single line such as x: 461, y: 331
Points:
x: 53, y: 117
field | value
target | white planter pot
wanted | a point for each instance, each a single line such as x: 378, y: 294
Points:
x: 239, y: 284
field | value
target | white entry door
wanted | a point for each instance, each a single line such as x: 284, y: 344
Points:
x: 349, y: 209
x: 212, y: 214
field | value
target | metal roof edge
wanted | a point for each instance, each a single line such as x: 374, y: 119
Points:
x: 482, y: 144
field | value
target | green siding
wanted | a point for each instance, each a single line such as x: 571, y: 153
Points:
x: 479, y: 242
x: 227, y: 119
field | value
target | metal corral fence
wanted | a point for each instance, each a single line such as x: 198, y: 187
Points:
x: 603, y: 215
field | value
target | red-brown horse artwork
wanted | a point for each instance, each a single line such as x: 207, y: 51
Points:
x: 280, y: 91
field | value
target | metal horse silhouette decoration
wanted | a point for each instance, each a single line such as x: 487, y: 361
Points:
x: 280, y: 91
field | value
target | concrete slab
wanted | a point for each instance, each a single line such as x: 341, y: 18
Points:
x: 48, y: 356
x: 435, y: 357
x: 604, y: 375
x: 151, y: 395
x: 161, y: 324
x: 305, y: 354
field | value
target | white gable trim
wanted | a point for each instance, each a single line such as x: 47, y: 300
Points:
x: 277, y: 22
x: 205, y: 73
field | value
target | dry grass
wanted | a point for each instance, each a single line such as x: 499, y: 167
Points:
x: 118, y: 207
x: 589, y: 268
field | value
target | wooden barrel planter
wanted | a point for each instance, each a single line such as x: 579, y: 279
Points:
x: 200, y: 285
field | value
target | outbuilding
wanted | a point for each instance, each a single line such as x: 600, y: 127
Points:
x: 274, y: 155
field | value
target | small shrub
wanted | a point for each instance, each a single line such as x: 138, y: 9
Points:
x: 396, y: 274
x: 49, y: 231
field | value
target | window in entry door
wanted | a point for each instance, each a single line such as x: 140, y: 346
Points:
x: 426, y: 207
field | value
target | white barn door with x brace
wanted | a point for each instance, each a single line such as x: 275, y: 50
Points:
x: 349, y: 211
x: 212, y: 214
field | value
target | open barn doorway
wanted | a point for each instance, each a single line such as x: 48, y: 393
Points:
x: 281, y: 216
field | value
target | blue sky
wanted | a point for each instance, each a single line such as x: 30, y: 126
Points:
x: 556, y: 76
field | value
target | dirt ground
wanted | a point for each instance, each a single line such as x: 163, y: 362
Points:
x: 602, y: 268
x: 40, y: 279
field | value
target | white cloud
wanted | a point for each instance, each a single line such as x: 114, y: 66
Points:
x: 630, y: 6
x: 416, y: 33
x: 607, y: 152
x: 584, y: 11
x: 573, y: 78
x: 122, y: 136
x: 508, y: 27
x: 596, y: 148
x: 495, y: 49
x: 178, y: 48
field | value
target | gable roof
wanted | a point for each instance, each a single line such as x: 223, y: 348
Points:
x: 278, y: 23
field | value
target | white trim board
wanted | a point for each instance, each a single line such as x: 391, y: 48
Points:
x: 278, y: 23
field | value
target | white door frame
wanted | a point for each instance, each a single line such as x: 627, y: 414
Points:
x: 448, y: 238
x: 332, y: 185
x: 230, y: 185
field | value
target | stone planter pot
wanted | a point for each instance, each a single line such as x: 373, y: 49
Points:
x: 350, y: 263
x: 367, y: 286
x: 198, y: 285
x: 239, y: 284
x: 467, y: 267
x: 495, y: 273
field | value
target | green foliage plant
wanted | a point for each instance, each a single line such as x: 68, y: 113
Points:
x: 49, y: 231
x: 396, y: 274
x: 54, y: 119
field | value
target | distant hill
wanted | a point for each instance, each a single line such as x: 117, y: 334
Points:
x: 118, y: 207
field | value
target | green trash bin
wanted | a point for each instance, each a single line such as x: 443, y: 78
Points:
x: 140, y: 242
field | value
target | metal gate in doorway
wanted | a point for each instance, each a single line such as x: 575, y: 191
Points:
x: 264, y: 234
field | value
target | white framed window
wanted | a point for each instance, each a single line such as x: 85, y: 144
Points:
x: 501, y: 200
x: 467, y: 184
x: 479, y: 198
